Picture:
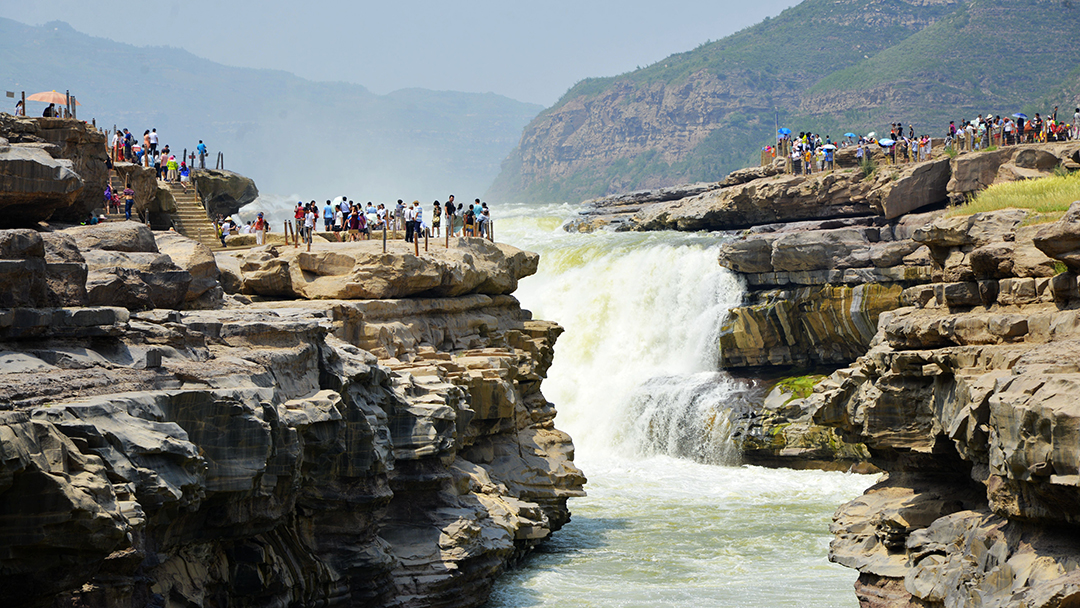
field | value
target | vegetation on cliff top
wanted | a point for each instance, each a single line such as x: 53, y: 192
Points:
x: 1048, y: 198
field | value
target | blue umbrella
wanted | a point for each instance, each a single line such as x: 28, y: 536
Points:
x: 886, y: 142
x: 1019, y: 115
x: 849, y: 135
x: 784, y: 131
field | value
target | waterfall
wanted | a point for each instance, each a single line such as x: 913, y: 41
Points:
x: 635, y: 374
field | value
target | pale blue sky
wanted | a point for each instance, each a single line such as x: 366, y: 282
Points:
x: 527, y: 51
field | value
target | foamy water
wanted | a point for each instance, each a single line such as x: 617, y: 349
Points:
x: 671, y: 519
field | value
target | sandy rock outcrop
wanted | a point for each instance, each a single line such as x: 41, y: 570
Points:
x: 361, y: 271
x: 965, y: 398
x: 223, y: 192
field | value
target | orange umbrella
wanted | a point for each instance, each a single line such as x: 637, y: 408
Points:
x: 50, y: 97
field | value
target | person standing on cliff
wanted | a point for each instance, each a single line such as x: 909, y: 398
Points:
x: 309, y: 223
x: 410, y: 223
x: 451, y: 213
x: 328, y: 216
x: 153, y: 141
x: 201, y: 148
x: 260, y: 229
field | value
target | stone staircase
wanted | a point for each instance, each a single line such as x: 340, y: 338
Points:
x: 117, y: 184
x: 190, y: 218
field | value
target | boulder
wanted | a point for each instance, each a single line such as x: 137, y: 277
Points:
x: 916, y: 186
x: 143, y: 181
x: 974, y: 172
x: 198, y: 260
x: 134, y: 280
x: 22, y: 269
x: 1061, y: 239
x: 34, y: 185
x: 131, y: 237
x: 223, y: 192
x: 751, y: 255
x: 65, y: 270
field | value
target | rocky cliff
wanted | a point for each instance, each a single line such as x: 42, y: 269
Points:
x: 49, y: 168
x: 829, y: 66
x: 955, y: 340
x: 765, y: 195
x: 965, y: 398
x: 166, y: 444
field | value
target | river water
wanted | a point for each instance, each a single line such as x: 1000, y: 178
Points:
x: 671, y: 517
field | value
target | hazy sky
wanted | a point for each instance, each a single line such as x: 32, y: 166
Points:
x: 527, y: 51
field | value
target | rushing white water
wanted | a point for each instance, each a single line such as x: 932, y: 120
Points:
x: 670, y: 518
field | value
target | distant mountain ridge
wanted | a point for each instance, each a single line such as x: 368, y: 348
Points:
x: 316, y: 139
x: 824, y: 65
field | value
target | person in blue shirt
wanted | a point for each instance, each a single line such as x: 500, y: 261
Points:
x: 829, y: 158
x: 328, y: 216
x: 201, y: 149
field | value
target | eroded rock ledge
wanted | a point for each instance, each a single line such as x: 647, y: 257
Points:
x: 188, y: 448
x: 763, y: 195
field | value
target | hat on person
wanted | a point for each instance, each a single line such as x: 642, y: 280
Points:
x: 260, y: 214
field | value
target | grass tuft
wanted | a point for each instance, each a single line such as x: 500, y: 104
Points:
x: 1047, y: 198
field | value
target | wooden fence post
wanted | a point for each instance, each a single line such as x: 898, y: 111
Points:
x: 385, y: 220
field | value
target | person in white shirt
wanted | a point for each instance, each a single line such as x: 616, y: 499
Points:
x: 1076, y: 125
x: 153, y: 141
x: 309, y: 225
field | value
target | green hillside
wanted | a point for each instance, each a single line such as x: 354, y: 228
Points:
x: 829, y: 66
x: 293, y: 136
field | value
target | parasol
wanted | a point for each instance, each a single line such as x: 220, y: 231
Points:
x: 51, y: 97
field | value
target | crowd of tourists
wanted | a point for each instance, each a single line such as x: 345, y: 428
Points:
x: 124, y: 147
x: 808, y: 152
x: 345, y: 220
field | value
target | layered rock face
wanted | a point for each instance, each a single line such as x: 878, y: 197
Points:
x: 50, y: 168
x: 816, y: 289
x: 290, y: 452
x: 966, y: 398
